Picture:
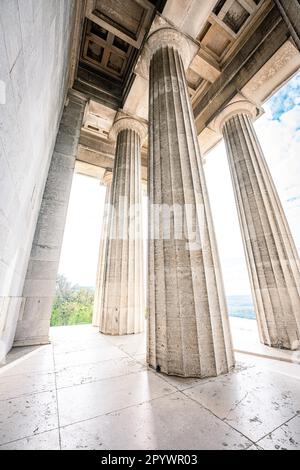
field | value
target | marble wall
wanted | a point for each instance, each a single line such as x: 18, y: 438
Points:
x: 34, y: 52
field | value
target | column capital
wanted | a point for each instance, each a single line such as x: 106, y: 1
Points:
x: 107, y: 178
x: 124, y: 121
x: 167, y: 36
x: 240, y: 105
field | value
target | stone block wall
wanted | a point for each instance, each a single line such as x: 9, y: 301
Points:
x: 34, y: 57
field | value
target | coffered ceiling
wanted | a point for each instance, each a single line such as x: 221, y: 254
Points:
x: 127, y: 19
x: 106, y: 52
x: 237, y: 43
x: 225, y: 24
x: 228, y: 24
x: 113, y: 34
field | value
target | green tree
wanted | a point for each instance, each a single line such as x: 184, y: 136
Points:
x: 72, y: 305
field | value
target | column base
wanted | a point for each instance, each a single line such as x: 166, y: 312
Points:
x: 42, y: 341
x: 191, y: 376
x: 295, y: 346
x: 123, y: 334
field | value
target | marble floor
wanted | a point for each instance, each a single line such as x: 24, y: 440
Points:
x: 87, y: 391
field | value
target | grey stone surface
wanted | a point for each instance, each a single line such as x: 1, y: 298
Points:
x: 20, y: 385
x: 48, y: 440
x: 31, y: 361
x: 107, y: 403
x: 94, y: 399
x: 27, y: 415
x: 163, y: 424
x: 84, y: 357
x: 34, y: 51
x: 287, y: 437
x: 39, y: 287
x: 94, y: 371
x: 188, y: 323
x: 253, y: 401
x: 272, y: 257
x: 121, y: 307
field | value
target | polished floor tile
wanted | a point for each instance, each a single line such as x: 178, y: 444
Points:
x: 25, y: 384
x: 80, y: 345
x: 135, y: 348
x: 101, y: 393
x: 173, y: 422
x: 253, y: 401
x: 45, y: 441
x: 77, y: 375
x: 97, y: 398
x: 127, y: 339
x: 27, y: 416
x: 287, y: 437
x: 39, y: 361
x: 89, y: 355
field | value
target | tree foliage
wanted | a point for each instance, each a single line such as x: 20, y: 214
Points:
x: 73, y: 305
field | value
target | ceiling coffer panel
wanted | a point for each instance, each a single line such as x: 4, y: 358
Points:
x: 105, y: 52
x: 126, y: 15
x: 225, y: 24
x: 127, y: 19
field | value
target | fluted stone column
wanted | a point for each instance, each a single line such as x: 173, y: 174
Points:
x: 272, y: 257
x: 188, y: 327
x: 39, y: 287
x: 122, y: 311
x: 107, y: 180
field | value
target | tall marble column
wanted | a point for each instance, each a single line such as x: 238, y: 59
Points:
x: 188, y: 326
x: 272, y: 257
x: 122, y: 307
x: 107, y: 180
x: 290, y: 10
x: 39, y: 287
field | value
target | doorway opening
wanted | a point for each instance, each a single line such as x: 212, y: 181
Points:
x: 75, y: 287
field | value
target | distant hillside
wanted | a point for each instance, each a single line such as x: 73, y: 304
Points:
x: 241, y: 306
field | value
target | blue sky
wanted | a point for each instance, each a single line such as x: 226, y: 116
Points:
x: 286, y: 99
x: 279, y: 133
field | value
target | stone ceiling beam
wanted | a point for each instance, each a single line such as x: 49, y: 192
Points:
x: 263, y: 44
x: 189, y: 16
x: 205, y: 68
x: 290, y: 10
x: 89, y: 84
x: 100, y: 153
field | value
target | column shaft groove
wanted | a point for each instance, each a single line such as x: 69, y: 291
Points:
x: 272, y: 256
x: 122, y: 307
x: 188, y: 328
